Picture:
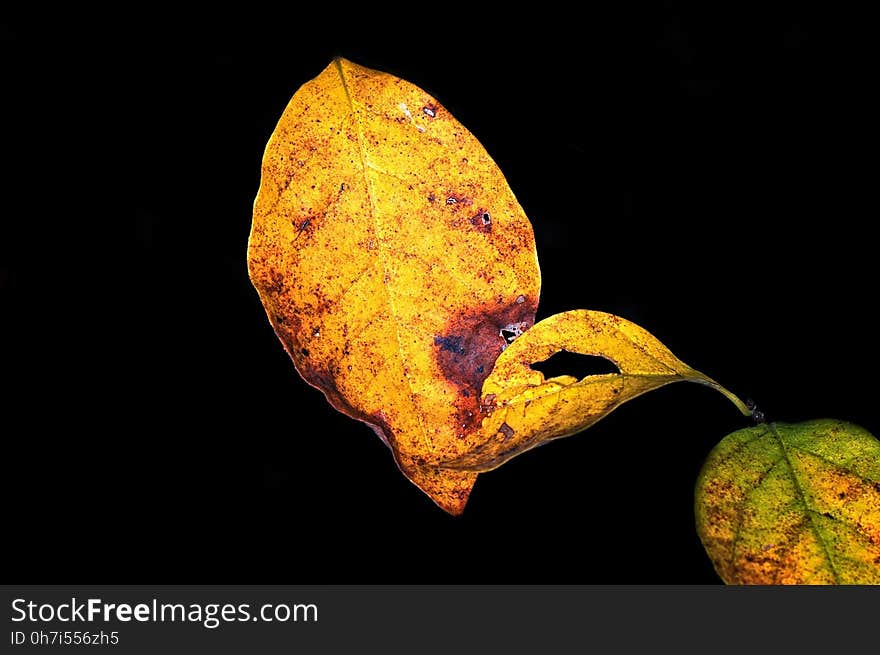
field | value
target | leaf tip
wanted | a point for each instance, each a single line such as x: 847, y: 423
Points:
x: 449, y: 489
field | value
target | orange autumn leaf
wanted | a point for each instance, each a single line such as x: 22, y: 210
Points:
x: 394, y: 263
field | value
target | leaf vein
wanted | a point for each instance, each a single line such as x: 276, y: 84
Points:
x: 803, y: 499
x: 847, y: 524
x: 836, y: 465
x: 371, y: 197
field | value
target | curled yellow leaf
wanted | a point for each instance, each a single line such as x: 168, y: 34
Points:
x: 528, y: 410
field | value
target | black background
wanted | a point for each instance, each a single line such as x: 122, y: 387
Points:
x: 696, y: 172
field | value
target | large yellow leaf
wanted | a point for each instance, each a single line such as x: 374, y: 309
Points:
x: 528, y: 410
x: 392, y: 258
x: 793, y: 504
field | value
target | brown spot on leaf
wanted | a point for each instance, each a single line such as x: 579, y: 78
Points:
x: 458, y: 199
x: 302, y: 227
x: 468, y: 349
x: 506, y: 430
x: 482, y: 221
x: 450, y: 344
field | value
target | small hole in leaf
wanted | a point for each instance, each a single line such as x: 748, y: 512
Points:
x: 574, y: 364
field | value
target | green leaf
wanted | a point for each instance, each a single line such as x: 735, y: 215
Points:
x: 793, y: 504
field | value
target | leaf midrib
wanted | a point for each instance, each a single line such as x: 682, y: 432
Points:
x: 808, y: 511
x: 594, y: 379
x: 365, y: 168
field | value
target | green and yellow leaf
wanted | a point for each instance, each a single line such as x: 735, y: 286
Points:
x: 793, y: 504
